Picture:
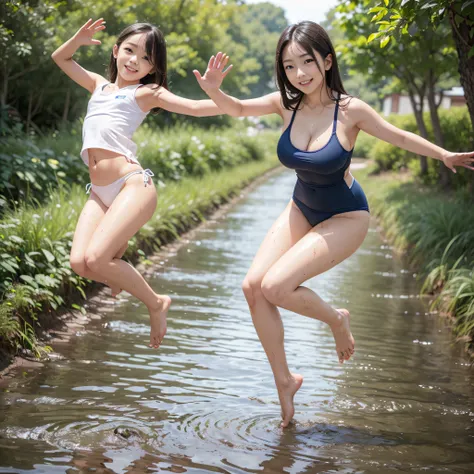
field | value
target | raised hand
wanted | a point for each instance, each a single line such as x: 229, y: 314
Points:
x: 459, y: 159
x: 85, y: 34
x: 215, y: 73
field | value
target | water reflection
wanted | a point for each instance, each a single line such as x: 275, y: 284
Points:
x: 206, y: 401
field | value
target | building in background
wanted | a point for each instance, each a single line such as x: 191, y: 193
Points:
x: 400, y: 104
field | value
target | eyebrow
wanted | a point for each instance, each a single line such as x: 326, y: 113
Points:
x: 301, y: 56
x: 135, y: 45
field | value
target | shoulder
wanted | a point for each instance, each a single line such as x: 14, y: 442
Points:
x: 151, y: 96
x: 350, y: 103
x: 151, y: 90
x: 277, y: 101
x: 275, y: 97
x: 354, y: 108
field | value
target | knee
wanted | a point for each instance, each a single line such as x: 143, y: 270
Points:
x: 273, y: 290
x: 251, y: 286
x: 93, y: 261
x: 78, y: 265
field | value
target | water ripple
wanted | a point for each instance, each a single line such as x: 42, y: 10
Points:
x: 206, y: 401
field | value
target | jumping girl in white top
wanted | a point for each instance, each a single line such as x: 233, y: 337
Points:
x: 123, y: 197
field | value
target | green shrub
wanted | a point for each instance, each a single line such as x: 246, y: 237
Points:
x: 31, y: 170
x: 457, y: 133
x: 364, y: 145
x: 389, y: 157
x: 35, y: 239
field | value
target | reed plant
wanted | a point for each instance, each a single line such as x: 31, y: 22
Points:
x: 435, y: 230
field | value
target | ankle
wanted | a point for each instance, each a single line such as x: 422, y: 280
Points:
x: 337, y: 319
x: 283, y: 382
x: 156, y: 305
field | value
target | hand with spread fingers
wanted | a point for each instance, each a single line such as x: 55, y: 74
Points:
x: 465, y: 160
x: 215, y: 72
x: 85, y: 34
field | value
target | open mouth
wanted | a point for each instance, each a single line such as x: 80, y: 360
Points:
x: 129, y: 69
x: 305, y: 83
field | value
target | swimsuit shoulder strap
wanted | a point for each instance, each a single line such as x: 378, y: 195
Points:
x: 294, y: 113
x: 336, y: 110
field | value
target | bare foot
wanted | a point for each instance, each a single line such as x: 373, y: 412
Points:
x: 286, y: 393
x: 342, y: 335
x: 158, y: 321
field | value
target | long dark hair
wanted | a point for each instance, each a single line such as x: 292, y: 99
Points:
x: 155, y: 47
x: 311, y: 37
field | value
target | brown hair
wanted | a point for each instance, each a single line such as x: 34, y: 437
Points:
x: 311, y: 37
x: 155, y: 47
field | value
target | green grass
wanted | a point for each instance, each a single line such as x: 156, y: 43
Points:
x: 36, y: 242
x: 436, y: 231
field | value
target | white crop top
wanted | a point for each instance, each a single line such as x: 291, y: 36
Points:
x: 111, y: 121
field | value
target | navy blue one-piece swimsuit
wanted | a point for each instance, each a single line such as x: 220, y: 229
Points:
x: 321, y: 191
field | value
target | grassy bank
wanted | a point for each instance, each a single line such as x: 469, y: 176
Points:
x: 33, y: 167
x: 37, y: 240
x: 436, y: 232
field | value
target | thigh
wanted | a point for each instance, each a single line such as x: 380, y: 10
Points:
x: 323, y: 247
x: 288, y: 229
x: 92, y: 213
x: 130, y: 211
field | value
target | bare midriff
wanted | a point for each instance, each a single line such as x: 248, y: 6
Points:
x: 107, y: 166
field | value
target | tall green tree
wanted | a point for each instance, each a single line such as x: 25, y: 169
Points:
x: 356, y: 81
x: 41, y: 96
x: 25, y: 34
x: 260, y: 27
x: 410, y: 17
x: 401, y: 59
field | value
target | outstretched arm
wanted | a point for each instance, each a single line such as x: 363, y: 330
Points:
x: 151, y: 96
x: 368, y: 120
x: 212, y: 80
x: 63, y: 55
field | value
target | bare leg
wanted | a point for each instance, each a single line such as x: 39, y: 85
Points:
x: 326, y: 245
x: 116, y: 290
x: 92, y: 213
x: 131, y: 209
x: 288, y: 229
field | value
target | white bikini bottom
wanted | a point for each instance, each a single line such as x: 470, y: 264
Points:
x: 108, y: 193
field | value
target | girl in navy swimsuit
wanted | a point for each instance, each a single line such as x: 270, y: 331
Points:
x: 327, y: 219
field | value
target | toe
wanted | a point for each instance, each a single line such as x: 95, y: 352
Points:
x: 286, y: 421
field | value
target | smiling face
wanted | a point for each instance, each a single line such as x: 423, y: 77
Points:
x: 302, y: 70
x: 133, y: 62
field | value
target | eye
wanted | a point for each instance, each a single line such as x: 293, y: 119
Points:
x: 146, y: 58
x: 128, y: 50
x: 288, y: 67
x: 309, y: 60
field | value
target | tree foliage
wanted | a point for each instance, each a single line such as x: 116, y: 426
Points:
x: 35, y: 93
x: 396, y: 18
